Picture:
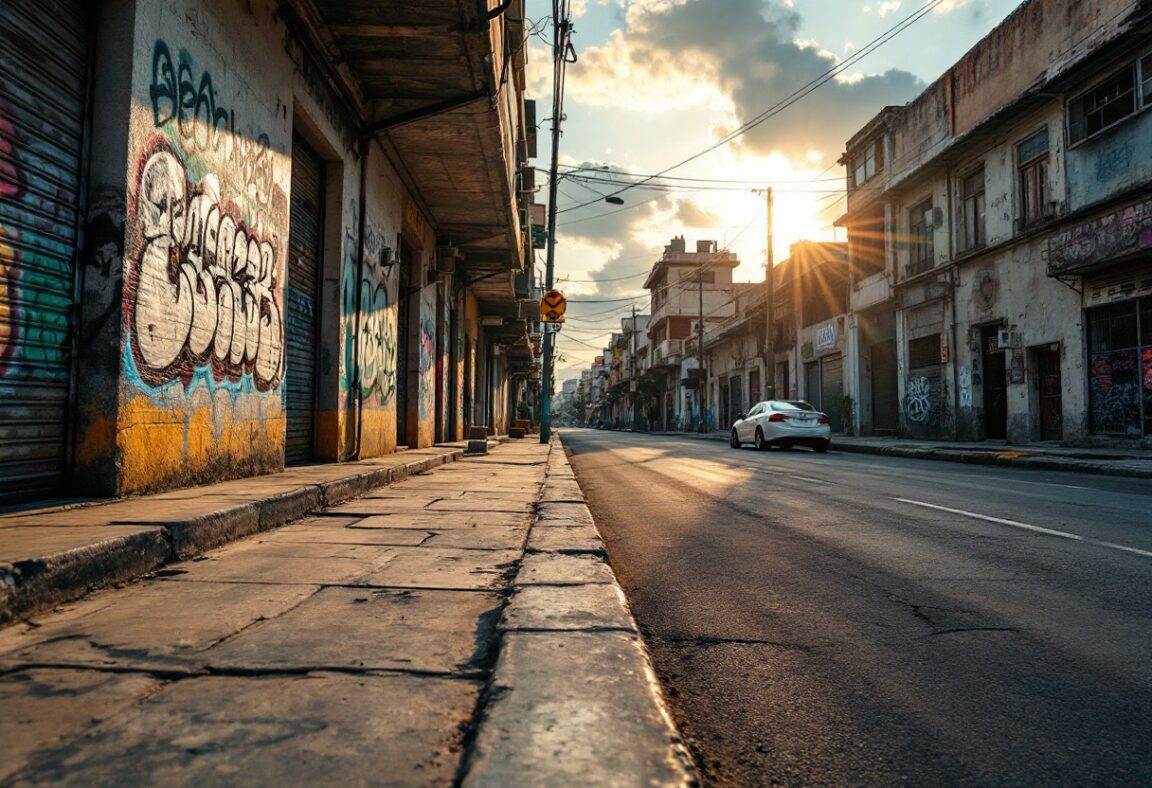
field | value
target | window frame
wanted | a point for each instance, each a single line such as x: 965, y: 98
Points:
x: 869, y: 162
x: 1137, y: 73
x: 973, y: 209
x: 1032, y: 190
x: 921, y: 250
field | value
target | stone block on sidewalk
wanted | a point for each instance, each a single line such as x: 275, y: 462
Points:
x: 477, y: 447
x: 595, y: 606
x: 46, y: 707
x: 552, y: 512
x: 563, y: 569
x: 588, y: 696
x: 370, y: 629
x: 314, y: 729
x: 478, y: 433
x: 566, y: 539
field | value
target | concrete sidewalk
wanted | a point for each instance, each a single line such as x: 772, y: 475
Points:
x: 1134, y: 463
x: 460, y: 626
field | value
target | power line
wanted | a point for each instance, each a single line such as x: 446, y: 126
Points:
x: 793, y: 97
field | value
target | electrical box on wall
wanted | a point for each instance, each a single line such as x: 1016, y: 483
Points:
x: 1003, y: 339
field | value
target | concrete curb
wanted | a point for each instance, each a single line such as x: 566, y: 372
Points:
x: 573, y: 698
x: 31, y: 586
x: 1033, y: 462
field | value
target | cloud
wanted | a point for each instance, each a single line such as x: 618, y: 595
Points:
x: 739, y: 54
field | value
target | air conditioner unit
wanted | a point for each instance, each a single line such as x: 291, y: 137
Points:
x: 1003, y: 339
x: 933, y: 218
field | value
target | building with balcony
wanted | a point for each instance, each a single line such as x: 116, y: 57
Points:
x: 689, y: 292
x: 1001, y: 241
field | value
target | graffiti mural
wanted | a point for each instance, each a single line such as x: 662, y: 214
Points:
x: 375, y: 342
x: 35, y: 267
x: 1114, y: 393
x: 185, y: 104
x: 204, y: 287
x: 428, y: 354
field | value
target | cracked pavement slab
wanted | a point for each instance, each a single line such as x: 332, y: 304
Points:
x: 316, y: 729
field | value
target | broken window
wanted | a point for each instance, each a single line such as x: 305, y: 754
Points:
x: 1032, y: 171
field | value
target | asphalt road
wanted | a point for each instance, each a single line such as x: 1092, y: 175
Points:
x: 850, y: 619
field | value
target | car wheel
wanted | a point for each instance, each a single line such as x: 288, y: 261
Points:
x: 761, y: 444
x: 820, y: 448
x: 734, y: 439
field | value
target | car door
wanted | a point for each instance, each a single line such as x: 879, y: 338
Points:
x: 746, y: 429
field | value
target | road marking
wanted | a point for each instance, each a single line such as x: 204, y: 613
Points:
x: 1036, y: 528
x: 1052, y: 484
x: 808, y: 479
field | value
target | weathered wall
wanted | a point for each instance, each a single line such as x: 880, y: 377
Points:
x: 1111, y: 162
x: 368, y: 366
x: 1013, y: 287
x: 202, y: 350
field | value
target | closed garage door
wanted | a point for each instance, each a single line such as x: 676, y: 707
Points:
x: 43, y: 83
x: 832, y: 390
x: 304, y: 237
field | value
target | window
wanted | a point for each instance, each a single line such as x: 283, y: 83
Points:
x: 1120, y: 368
x: 868, y: 162
x: 1032, y: 176
x: 924, y: 352
x: 1125, y: 92
x: 972, y: 208
x: 706, y: 277
x: 920, y: 238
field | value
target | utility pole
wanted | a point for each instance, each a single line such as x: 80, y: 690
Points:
x: 770, y: 286
x: 702, y: 391
x: 561, y: 32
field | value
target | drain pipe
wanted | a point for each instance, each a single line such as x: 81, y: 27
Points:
x: 365, y: 148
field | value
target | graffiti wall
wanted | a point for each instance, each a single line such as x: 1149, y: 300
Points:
x: 369, y: 300
x: 202, y: 347
x: 426, y: 396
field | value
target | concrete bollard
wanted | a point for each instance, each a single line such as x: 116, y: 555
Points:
x: 478, y: 433
x: 477, y: 447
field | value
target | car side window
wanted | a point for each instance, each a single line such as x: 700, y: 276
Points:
x: 756, y: 411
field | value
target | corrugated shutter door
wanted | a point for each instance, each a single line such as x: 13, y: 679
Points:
x: 43, y: 80
x: 832, y: 390
x: 303, y: 276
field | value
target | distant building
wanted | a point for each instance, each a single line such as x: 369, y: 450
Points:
x: 687, y: 288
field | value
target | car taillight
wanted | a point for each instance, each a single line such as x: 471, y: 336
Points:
x: 824, y: 420
x: 776, y: 417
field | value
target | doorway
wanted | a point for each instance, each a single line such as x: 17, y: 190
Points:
x: 1051, y: 402
x: 995, y: 385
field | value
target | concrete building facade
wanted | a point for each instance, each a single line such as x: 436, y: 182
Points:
x: 998, y: 233
x: 240, y: 235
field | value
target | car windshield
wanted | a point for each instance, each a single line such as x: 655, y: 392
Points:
x: 793, y: 405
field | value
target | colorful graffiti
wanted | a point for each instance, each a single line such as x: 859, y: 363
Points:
x: 187, y: 107
x: 36, y: 233
x: 375, y: 341
x: 203, y: 290
x: 428, y: 355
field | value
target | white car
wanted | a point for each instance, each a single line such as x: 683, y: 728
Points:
x: 784, y: 423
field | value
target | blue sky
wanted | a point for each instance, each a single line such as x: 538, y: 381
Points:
x: 658, y: 81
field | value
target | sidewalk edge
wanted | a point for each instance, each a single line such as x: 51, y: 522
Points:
x: 573, y: 696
